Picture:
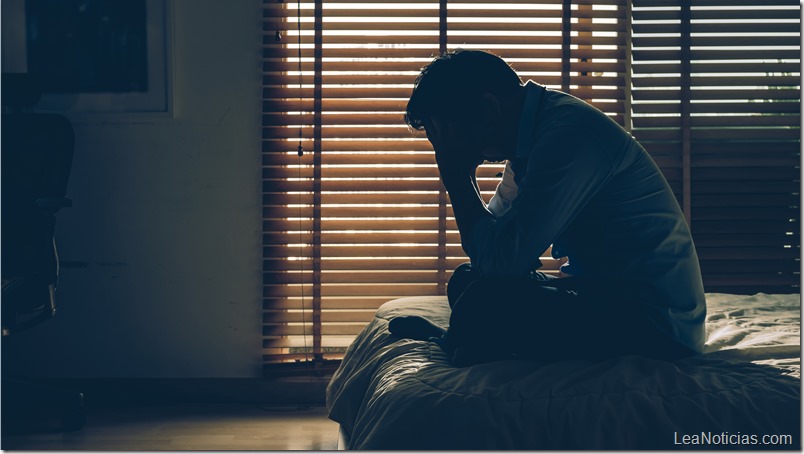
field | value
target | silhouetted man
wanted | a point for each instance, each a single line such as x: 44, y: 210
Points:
x: 573, y: 179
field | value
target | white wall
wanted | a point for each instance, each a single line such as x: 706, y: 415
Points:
x: 163, y: 240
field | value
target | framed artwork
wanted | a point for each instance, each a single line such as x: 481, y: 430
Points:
x: 99, y: 55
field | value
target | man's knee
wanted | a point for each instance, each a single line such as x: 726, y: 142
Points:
x: 463, y: 275
x: 498, y: 308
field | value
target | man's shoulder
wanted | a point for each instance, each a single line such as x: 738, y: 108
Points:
x: 564, y: 109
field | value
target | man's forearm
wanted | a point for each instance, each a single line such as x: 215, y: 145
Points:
x: 467, y: 204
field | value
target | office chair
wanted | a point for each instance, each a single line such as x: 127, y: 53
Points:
x: 37, y: 153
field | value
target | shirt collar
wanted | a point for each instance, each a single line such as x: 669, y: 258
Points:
x: 527, y: 120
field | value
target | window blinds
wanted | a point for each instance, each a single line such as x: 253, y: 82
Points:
x: 716, y: 100
x: 361, y: 217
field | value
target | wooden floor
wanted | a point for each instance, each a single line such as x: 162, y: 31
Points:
x: 190, y: 427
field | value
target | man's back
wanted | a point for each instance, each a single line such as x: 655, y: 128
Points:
x: 575, y: 180
x: 627, y: 223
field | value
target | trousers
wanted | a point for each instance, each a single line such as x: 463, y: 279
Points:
x: 549, y: 318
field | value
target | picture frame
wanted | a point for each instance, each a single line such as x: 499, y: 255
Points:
x: 154, y: 95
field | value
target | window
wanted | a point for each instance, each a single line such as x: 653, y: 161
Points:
x: 361, y: 217
x: 717, y: 101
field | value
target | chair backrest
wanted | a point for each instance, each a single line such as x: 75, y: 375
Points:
x: 37, y: 153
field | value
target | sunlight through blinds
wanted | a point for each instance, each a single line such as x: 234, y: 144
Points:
x: 361, y: 218
x: 717, y: 97
x: 377, y: 202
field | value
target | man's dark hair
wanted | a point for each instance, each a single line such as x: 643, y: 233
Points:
x: 452, y: 82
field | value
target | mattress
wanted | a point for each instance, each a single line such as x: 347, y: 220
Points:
x: 743, y: 392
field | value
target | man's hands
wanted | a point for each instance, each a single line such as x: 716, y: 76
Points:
x: 456, y: 164
x: 456, y: 160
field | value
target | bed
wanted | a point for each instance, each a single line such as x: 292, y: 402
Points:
x: 743, y: 392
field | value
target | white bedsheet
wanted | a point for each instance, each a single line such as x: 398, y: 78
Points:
x: 392, y: 393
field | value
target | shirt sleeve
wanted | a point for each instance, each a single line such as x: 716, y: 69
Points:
x: 505, y: 194
x: 566, y: 169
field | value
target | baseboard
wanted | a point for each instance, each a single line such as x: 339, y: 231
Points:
x: 182, y: 391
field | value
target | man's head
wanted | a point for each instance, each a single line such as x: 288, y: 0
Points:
x: 466, y: 99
